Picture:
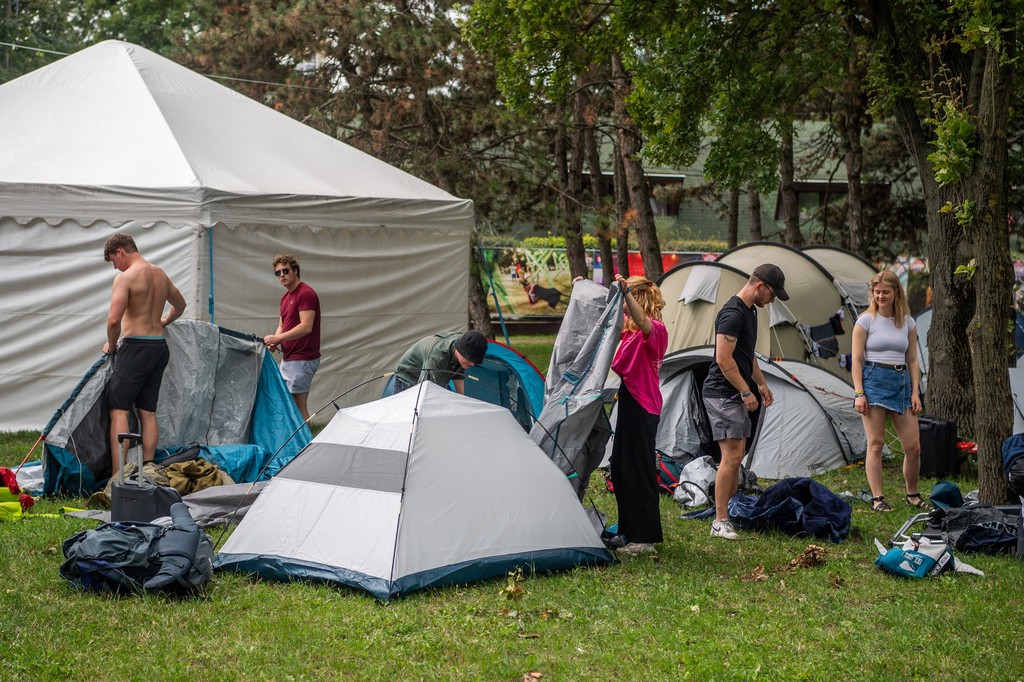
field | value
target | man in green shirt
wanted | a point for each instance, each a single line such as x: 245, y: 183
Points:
x: 441, y: 358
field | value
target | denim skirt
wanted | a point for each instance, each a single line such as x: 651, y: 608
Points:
x: 887, y: 387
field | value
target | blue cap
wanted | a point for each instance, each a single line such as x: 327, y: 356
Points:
x: 946, y: 494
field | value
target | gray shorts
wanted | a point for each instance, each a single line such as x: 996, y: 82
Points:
x: 298, y: 374
x: 728, y: 418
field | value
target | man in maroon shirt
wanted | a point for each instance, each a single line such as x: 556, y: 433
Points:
x: 298, y: 331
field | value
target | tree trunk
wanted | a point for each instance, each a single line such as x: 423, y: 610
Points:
x: 787, y: 188
x: 636, y: 180
x: 622, y: 219
x: 734, y: 217
x: 851, y: 122
x: 754, y: 201
x: 573, y: 191
x: 990, y: 336
x: 951, y: 388
x: 479, y: 315
x: 568, y: 208
x: 602, y: 228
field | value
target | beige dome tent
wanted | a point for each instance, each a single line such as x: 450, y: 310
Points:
x: 798, y: 326
x: 694, y: 292
x: 850, y: 272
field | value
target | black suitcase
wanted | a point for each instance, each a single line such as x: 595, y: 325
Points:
x: 139, y: 499
x: 940, y: 456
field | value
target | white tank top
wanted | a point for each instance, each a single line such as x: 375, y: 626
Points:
x: 886, y: 342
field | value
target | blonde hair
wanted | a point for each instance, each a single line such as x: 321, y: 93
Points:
x: 900, y: 307
x: 648, y: 296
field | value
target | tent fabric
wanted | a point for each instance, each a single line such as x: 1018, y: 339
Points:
x: 690, y: 310
x: 573, y: 428
x: 219, y: 389
x: 850, y: 272
x: 507, y: 378
x: 814, y: 299
x: 212, y: 185
x: 702, y: 285
x: 811, y: 428
x: 401, y: 494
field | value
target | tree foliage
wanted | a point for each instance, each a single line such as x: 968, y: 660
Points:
x: 56, y: 27
x: 392, y: 78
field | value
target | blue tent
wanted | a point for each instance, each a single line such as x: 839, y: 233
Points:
x: 506, y: 378
x: 221, y: 389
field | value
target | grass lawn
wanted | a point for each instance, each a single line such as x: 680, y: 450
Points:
x: 703, y: 610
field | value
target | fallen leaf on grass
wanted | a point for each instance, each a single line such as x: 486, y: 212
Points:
x: 532, y: 676
x: 837, y: 581
x: 813, y: 555
x: 754, y: 576
x: 528, y: 635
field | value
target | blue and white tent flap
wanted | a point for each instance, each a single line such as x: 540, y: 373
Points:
x: 423, y: 488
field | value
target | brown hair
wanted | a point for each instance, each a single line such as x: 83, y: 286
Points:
x: 648, y: 296
x: 121, y: 240
x: 287, y: 260
x: 900, y: 307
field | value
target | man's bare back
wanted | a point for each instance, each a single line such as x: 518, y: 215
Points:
x: 148, y: 289
x: 138, y: 298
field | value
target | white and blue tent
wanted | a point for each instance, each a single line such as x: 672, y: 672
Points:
x: 419, y: 489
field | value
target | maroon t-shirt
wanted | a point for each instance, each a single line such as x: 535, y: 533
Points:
x: 301, y: 298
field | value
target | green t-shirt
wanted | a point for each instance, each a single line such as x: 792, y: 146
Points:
x: 431, y: 359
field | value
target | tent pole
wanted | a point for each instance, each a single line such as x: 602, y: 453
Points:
x: 210, y: 248
x: 485, y: 264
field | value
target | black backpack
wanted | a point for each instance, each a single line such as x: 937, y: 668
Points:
x: 132, y: 557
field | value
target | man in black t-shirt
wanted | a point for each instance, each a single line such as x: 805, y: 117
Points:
x: 734, y: 376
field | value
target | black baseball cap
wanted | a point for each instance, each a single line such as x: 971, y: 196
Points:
x: 473, y: 346
x: 773, y: 276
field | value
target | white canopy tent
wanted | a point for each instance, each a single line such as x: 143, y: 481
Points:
x: 212, y: 185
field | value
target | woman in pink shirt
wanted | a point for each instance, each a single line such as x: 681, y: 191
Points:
x: 637, y: 361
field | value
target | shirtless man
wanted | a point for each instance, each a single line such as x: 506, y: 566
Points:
x: 136, y: 312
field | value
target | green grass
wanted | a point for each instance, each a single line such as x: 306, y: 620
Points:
x: 704, y: 610
x: 536, y: 348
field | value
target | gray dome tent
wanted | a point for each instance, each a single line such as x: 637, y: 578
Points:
x: 423, y: 488
x: 811, y: 428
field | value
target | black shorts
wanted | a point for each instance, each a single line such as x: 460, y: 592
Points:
x: 138, y: 370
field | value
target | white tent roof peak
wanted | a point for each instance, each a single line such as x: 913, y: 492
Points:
x: 116, y: 115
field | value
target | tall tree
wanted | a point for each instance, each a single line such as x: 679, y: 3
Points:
x: 947, y: 74
x: 754, y: 204
x: 540, y: 51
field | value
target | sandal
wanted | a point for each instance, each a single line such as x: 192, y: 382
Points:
x: 879, y: 504
x: 920, y: 504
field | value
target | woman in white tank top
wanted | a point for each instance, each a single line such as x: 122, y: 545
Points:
x: 886, y: 376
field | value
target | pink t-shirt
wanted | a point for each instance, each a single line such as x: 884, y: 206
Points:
x: 637, y: 362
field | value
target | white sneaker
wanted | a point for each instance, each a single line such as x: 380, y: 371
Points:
x: 636, y: 549
x: 723, y: 529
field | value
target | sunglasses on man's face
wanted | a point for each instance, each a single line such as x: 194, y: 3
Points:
x: 282, y: 271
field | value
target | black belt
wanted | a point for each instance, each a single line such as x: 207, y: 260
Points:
x: 872, y: 363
